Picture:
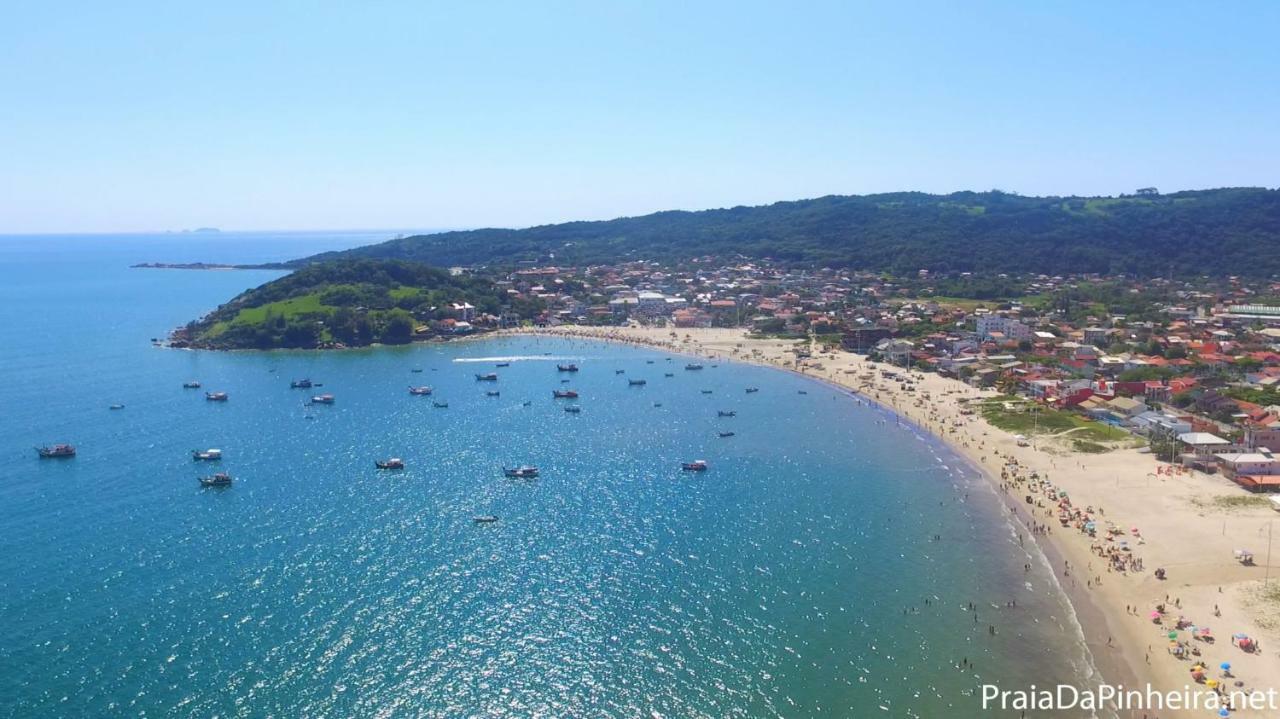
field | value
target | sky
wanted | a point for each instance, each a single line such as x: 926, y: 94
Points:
x: 127, y: 116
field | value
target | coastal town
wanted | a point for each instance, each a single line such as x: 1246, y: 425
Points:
x: 1190, y: 370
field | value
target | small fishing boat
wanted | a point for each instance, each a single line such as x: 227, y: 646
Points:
x: 522, y: 472
x: 565, y: 381
x: 564, y: 394
x: 706, y: 391
x: 567, y: 367
x: 300, y: 384
x: 492, y: 393
x: 726, y: 434
x: 393, y: 463
x: 657, y: 404
x: 693, y: 365
x: 440, y: 404
x: 116, y: 406
x: 221, y: 479
x: 527, y: 403
x: 57, y: 451
x: 503, y: 364
x: 322, y: 399
x: 420, y: 391
x: 648, y: 361
x: 573, y: 408
x: 206, y: 455
x: 727, y: 413
x: 415, y: 371
x: 619, y: 371
x: 636, y: 382
x: 802, y: 392
x: 751, y: 390
x: 485, y: 519
x: 216, y: 396
x: 698, y: 465
x: 668, y: 374
x: 191, y: 385
x: 487, y: 377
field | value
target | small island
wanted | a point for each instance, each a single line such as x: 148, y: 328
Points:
x: 354, y: 303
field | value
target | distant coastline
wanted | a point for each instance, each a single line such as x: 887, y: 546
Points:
x: 205, y: 266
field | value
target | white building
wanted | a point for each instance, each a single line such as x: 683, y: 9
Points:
x: 1249, y: 464
x: 989, y: 326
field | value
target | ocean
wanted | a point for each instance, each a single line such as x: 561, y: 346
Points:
x: 798, y: 577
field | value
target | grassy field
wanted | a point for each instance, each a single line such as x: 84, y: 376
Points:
x: 305, y: 304
x: 1014, y: 414
x: 962, y: 303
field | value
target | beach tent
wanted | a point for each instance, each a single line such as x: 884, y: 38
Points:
x: 1275, y: 503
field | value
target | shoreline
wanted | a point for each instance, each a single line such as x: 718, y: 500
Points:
x: 1123, y: 646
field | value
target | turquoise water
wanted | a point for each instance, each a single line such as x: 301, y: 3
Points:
x: 615, y: 585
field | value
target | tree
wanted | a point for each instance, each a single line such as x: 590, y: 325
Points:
x: 398, y: 328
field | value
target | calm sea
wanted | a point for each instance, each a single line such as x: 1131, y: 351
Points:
x: 798, y: 577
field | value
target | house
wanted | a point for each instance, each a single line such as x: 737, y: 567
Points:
x: 1249, y: 463
x: 464, y: 310
x: 1204, y: 444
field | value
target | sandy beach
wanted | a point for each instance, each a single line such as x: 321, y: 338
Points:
x: 1168, y: 521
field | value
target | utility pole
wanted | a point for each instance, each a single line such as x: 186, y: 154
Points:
x: 1266, y: 581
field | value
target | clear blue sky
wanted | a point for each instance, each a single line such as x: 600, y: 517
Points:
x: 118, y: 116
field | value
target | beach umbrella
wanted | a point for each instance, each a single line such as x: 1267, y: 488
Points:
x: 1155, y: 615
x: 1211, y: 683
x: 1173, y: 635
x: 1225, y: 666
x: 1223, y: 712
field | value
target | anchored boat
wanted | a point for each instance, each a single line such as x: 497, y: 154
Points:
x: 421, y: 391
x: 216, y: 396
x: 567, y: 367
x: 300, y: 384
x: 522, y: 472
x: 698, y: 465
x: 393, y: 463
x: 206, y: 455
x: 564, y: 394
x: 191, y: 385
x: 636, y: 382
x: 221, y: 479
x: 57, y: 451
x: 322, y: 399
x: 487, y: 377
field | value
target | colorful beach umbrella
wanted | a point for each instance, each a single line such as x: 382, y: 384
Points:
x: 1225, y: 666
x: 1173, y: 635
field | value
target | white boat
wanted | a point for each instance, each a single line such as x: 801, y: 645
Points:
x: 206, y: 455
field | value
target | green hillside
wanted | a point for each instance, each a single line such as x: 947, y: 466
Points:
x: 354, y: 303
x: 1226, y: 231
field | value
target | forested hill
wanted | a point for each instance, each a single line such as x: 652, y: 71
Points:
x: 1227, y: 231
x: 349, y: 303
